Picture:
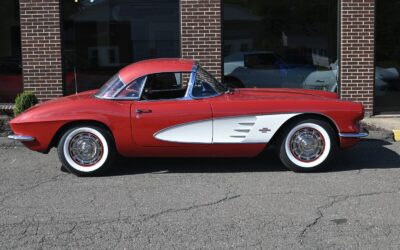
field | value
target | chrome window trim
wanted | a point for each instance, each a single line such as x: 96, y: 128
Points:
x: 188, y: 95
x: 192, y: 78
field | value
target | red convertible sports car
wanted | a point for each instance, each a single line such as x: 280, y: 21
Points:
x: 174, y: 108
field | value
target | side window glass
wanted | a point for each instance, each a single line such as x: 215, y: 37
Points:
x: 171, y: 85
x: 203, y: 85
x: 133, y: 89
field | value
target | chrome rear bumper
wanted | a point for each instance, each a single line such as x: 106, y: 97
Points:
x: 363, y: 133
x: 21, y: 138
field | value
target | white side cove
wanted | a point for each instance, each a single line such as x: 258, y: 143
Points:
x: 248, y: 129
x: 242, y: 129
x: 194, y: 132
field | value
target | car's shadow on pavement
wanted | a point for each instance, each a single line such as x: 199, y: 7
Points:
x: 267, y: 161
x: 369, y: 154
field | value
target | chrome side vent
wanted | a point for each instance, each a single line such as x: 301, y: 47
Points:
x: 247, y: 123
x: 242, y: 130
x: 238, y: 136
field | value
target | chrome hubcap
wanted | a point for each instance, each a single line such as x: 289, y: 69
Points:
x: 307, y: 144
x: 85, y: 149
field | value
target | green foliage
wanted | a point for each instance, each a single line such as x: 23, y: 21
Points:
x: 24, y: 101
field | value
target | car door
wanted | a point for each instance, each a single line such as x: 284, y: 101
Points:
x: 164, y: 119
x: 171, y: 122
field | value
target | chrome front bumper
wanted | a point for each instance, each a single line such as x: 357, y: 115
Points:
x: 21, y: 138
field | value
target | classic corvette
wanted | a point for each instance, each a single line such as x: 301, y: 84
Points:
x: 175, y: 108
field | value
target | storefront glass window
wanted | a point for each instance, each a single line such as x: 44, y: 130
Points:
x: 102, y: 36
x: 281, y: 44
x: 387, y: 56
x: 10, y: 51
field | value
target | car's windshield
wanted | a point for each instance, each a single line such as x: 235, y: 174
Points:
x: 111, y: 87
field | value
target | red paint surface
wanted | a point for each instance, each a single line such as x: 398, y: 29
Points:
x: 152, y: 66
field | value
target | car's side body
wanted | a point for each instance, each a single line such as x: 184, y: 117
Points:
x: 238, y: 123
x: 268, y: 109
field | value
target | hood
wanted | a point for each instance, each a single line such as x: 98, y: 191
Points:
x: 79, y: 96
x: 50, y: 106
x: 282, y: 94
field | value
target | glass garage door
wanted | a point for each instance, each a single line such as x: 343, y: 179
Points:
x: 281, y: 44
x: 102, y: 36
x: 387, y: 57
x: 10, y: 51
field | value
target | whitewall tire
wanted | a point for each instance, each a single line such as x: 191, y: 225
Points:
x: 86, y: 150
x: 307, y: 146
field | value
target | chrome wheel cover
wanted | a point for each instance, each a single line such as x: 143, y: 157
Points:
x: 85, y: 149
x: 307, y: 144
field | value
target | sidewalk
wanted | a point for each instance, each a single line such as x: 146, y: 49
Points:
x: 387, y: 124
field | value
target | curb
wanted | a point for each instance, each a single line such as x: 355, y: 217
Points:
x: 396, y: 134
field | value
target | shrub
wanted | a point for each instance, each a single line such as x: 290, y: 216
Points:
x: 24, y: 101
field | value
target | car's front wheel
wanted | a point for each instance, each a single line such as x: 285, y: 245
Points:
x: 86, y: 150
x: 307, y: 146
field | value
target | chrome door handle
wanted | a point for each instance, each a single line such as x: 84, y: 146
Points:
x: 141, y: 111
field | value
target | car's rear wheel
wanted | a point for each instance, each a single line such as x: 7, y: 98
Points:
x: 307, y: 146
x: 86, y: 150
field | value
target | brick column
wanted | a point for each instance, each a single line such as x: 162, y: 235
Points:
x: 41, y: 47
x: 357, y: 52
x: 201, y: 33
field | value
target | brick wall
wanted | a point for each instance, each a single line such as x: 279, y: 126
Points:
x: 357, y: 52
x: 201, y: 33
x: 200, y: 40
x: 41, y: 47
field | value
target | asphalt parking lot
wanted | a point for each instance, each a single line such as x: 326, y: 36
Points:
x: 203, y: 203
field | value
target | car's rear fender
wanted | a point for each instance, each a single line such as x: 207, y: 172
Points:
x: 340, y: 123
x: 302, y: 117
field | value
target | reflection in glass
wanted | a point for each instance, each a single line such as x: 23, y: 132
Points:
x: 281, y: 43
x: 387, y: 80
x: 102, y: 36
x: 111, y: 87
x: 10, y: 51
x: 133, y: 90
